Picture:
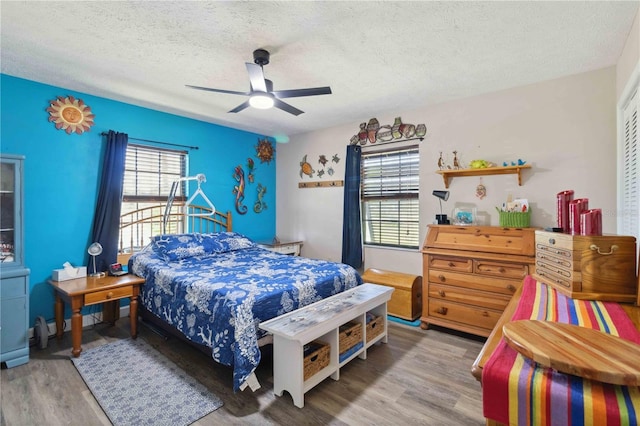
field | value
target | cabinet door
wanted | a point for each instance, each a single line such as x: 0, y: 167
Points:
x: 11, y: 254
x: 13, y: 314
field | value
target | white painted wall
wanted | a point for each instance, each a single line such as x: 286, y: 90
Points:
x: 564, y: 128
x: 629, y: 59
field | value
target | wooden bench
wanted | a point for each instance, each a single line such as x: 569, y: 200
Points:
x: 321, y: 321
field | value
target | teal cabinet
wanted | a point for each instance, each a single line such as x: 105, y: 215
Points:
x: 14, y: 276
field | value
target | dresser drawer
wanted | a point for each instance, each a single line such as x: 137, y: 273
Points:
x: 469, y: 297
x: 558, y: 252
x: 562, y: 242
x: 548, y: 276
x: 13, y: 287
x: 450, y: 263
x: 106, y: 295
x: 465, y: 314
x: 551, y: 259
x: 474, y: 282
x: 501, y: 269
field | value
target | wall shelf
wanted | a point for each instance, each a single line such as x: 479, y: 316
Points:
x: 509, y: 170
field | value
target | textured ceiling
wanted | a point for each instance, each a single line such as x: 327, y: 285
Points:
x: 376, y: 56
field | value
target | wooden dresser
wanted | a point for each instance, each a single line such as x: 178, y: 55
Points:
x: 471, y: 272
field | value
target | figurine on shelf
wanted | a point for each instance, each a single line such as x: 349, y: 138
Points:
x: 440, y: 162
x: 456, y: 164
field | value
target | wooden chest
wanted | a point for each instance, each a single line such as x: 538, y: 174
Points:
x: 406, y: 300
x: 588, y: 266
x: 471, y: 272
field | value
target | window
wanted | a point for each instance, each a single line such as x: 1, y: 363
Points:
x: 629, y: 223
x: 149, y: 173
x: 390, y: 204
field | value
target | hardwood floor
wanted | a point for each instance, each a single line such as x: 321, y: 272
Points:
x: 419, y: 378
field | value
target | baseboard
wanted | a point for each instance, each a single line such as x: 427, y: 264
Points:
x: 87, y: 320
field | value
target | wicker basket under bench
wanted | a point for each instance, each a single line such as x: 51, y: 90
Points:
x: 343, y: 326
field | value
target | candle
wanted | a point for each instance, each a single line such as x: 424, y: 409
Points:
x: 576, y: 207
x: 563, y: 210
x: 591, y: 222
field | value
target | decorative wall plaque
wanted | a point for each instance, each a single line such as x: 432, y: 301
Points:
x: 70, y: 114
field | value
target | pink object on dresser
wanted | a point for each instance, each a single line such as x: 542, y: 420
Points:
x: 576, y: 207
x: 563, y: 209
x: 591, y: 222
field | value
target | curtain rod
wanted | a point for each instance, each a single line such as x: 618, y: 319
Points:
x: 158, y: 142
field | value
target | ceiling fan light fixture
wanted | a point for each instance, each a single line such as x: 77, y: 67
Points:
x: 261, y: 100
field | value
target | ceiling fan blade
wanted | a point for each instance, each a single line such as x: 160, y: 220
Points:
x: 295, y: 93
x: 286, y: 107
x: 256, y: 77
x: 240, y: 107
x: 231, y: 92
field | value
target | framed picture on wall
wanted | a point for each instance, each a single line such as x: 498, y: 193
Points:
x: 464, y: 216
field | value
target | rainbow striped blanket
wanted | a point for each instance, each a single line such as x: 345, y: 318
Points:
x: 516, y: 391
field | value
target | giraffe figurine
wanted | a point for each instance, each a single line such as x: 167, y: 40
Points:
x: 456, y: 165
x: 440, y: 162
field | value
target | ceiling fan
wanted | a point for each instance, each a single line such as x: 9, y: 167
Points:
x: 262, y: 95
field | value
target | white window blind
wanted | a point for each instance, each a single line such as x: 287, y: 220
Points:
x: 630, y: 218
x: 390, y: 197
x: 149, y: 173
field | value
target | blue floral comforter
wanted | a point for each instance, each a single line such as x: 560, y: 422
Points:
x: 217, y: 288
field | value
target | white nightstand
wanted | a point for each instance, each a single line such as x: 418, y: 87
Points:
x: 292, y: 248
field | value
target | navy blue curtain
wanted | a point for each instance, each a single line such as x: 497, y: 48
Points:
x: 106, y: 220
x: 351, y: 227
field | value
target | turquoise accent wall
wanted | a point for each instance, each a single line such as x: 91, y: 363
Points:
x: 62, y: 172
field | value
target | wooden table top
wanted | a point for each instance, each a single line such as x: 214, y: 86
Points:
x: 85, y: 285
x: 576, y: 350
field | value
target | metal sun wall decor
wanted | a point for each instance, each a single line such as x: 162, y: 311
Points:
x: 70, y: 114
x: 265, y: 150
x: 372, y: 132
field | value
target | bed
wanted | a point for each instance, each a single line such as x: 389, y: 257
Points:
x: 216, y: 287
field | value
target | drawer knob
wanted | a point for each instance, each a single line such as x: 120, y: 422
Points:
x: 451, y: 264
x: 485, y: 313
x: 442, y: 310
x: 552, y: 240
x: 441, y: 293
x: 501, y: 270
x: 109, y: 295
x: 596, y: 248
x: 441, y: 277
x: 511, y: 287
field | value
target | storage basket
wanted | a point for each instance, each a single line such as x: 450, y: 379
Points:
x: 316, y: 357
x: 375, y: 326
x: 350, y: 335
x: 515, y: 219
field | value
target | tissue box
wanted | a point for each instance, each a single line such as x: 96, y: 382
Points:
x: 69, y: 273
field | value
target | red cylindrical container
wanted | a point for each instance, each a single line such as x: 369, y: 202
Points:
x: 563, y: 210
x: 591, y: 222
x: 576, y: 207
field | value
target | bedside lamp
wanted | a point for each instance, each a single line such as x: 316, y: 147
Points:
x: 441, y: 195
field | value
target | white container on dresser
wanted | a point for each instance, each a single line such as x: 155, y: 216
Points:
x: 14, y: 276
x: 471, y: 272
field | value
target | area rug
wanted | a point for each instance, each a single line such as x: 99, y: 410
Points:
x: 136, y: 385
